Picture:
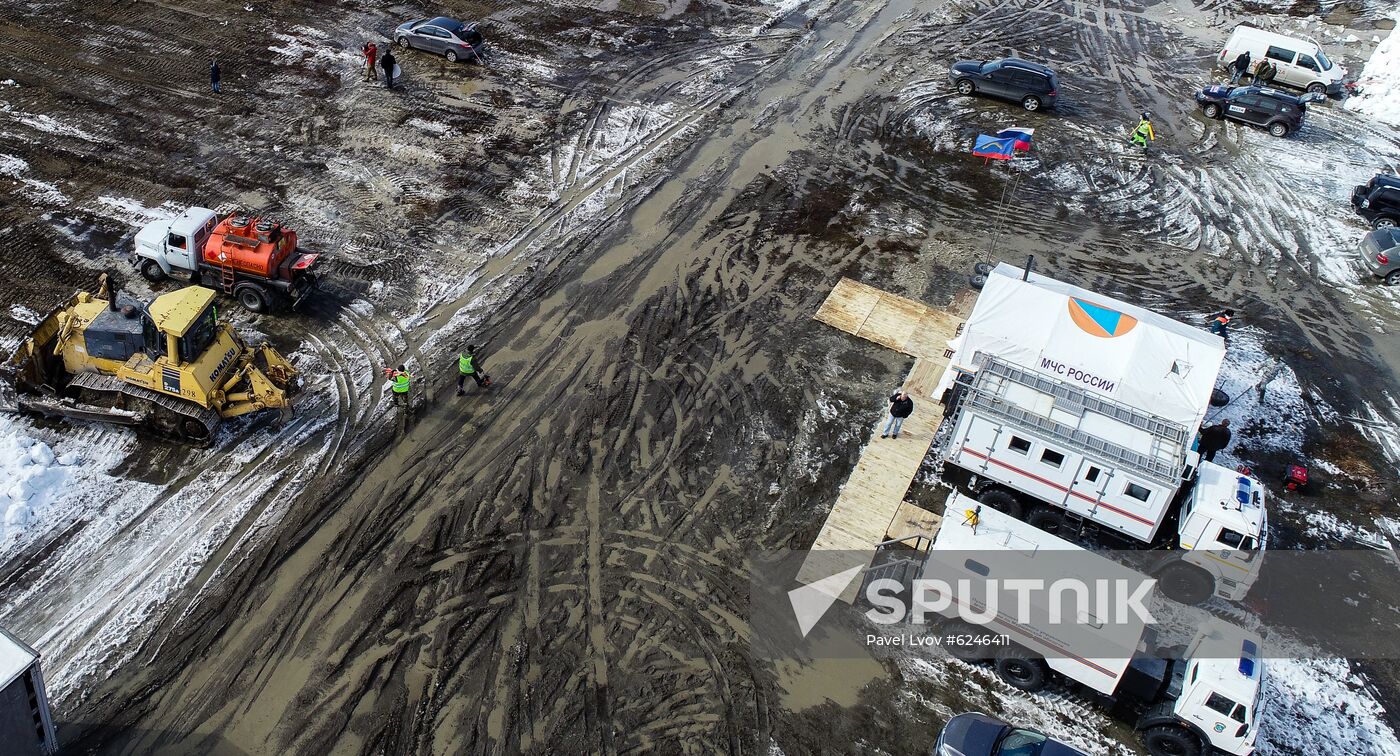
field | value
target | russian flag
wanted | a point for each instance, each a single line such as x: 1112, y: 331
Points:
x: 1019, y: 136
x: 993, y: 148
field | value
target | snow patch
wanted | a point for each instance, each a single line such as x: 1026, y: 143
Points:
x: 1380, y: 80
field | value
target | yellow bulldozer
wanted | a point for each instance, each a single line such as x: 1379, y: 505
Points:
x: 170, y: 367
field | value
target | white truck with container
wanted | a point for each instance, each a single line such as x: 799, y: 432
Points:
x: 1204, y: 700
x: 1080, y: 413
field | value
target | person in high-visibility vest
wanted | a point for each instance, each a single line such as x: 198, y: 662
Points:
x: 1220, y: 323
x: 468, y: 364
x: 402, y: 382
x: 1144, y: 132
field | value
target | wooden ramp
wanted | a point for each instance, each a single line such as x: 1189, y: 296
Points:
x: 866, y: 510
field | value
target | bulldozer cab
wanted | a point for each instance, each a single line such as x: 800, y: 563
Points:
x: 181, y: 325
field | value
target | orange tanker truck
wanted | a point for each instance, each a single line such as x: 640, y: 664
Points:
x: 254, y: 260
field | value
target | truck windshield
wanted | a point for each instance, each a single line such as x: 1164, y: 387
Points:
x: 1323, y: 61
x: 199, y: 336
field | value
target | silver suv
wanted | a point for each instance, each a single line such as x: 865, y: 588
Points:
x: 1380, y: 253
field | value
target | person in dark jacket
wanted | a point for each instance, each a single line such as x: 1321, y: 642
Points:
x: 1265, y: 73
x: 901, y: 407
x: 214, y: 76
x: 1220, y: 323
x: 1215, y: 438
x: 1241, y: 67
x: 388, y: 63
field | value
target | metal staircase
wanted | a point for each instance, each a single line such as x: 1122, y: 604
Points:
x: 1163, y: 463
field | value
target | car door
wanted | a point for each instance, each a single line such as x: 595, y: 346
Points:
x: 1283, y: 58
x: 1242, y: 108
x: 993, y: 80
x: 1307, y: 70
x: 434, y: 39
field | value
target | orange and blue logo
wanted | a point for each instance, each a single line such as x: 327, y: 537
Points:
x: 1097, y: 320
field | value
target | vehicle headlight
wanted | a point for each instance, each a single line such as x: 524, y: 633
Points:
x: 1365, y: 203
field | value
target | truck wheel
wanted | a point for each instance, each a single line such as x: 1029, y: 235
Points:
x: 1002, y: 501
x: 1022, y: 671
x: 977, y: 280
x: 151, y: 271
x: 1048, y: 519
x: 254, y: 299
x: 1186, y: 583
x: 1168, y: 740
x: 1219, y: 398
x: 982, y: 268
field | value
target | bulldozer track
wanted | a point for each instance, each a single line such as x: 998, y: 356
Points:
x: 106, y: 384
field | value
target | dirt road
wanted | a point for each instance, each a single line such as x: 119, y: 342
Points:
x: 638, y: 237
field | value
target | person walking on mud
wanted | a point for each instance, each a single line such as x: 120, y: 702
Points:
x: 388, y: 62
x: 1220, y: 323
x: 214, y: 76
x: 1214, y: 438
x: 1144, y: 132
x: 901, y: 407
x: 371, y: 54
x: 468, y: 364
x: 1241, y: 68
x: 402, y: 382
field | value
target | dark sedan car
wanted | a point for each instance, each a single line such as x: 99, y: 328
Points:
x: 1031, y: 84
x: 1279, y: 112
x: 981, y: 735
x: 444, y: 36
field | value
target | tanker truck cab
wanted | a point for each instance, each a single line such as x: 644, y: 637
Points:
x: 1223, y: 526
x: 173, y: 246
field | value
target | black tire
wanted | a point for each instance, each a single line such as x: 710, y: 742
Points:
x: 1047, y: 519
x: 1383, y: 222
x: 151, y: 271
x: 1022, y: 670
x: 1219, y: 398
x: 1278, y: 129
x: 1170, y: 740
x: 254, y: 299
x: 971, y: 653
x: 1317, y: 87
x: 1002, y: 501
x: 1031, y: 103
x: 982, y: 268
x: 977, y: 281
x: 1186, y: 583
x: 1211, y: 110
x: 195, y: 430
x: 965, y: 86
x: 1393, y: 278
x: 403, y: 43
x: 451, y: 56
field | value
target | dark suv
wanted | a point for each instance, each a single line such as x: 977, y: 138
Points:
x: 1378, y: 201
x: 1280, y: 113
x: 1031, y: 84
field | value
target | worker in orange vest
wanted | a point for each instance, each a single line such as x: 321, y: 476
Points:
x: 1219, y: 323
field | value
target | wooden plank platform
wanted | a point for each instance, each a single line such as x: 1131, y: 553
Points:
x: 869, y: 505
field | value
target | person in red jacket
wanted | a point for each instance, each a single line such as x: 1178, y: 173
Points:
x: 371, y: 53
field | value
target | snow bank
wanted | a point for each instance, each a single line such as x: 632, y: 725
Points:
x: 32, y: 479
x: 1380, y: 80
x: 1321, y: 706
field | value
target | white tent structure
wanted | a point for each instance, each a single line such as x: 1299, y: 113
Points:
x: 1123, y: 352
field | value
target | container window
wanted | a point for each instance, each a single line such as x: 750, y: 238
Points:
x: 1019, y: 445
x: 1137, y: 492
x: 1092, y: 475
x: 1052, y: 458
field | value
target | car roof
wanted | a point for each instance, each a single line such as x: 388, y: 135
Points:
x: 1385, y: 179
x: 1276, y: 94
x: 1026, y: 64
x: 447, y: 23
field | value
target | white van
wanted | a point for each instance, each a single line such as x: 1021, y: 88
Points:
x: 1300, y: 60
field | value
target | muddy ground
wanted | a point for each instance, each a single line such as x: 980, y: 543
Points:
x: 635, y: 208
